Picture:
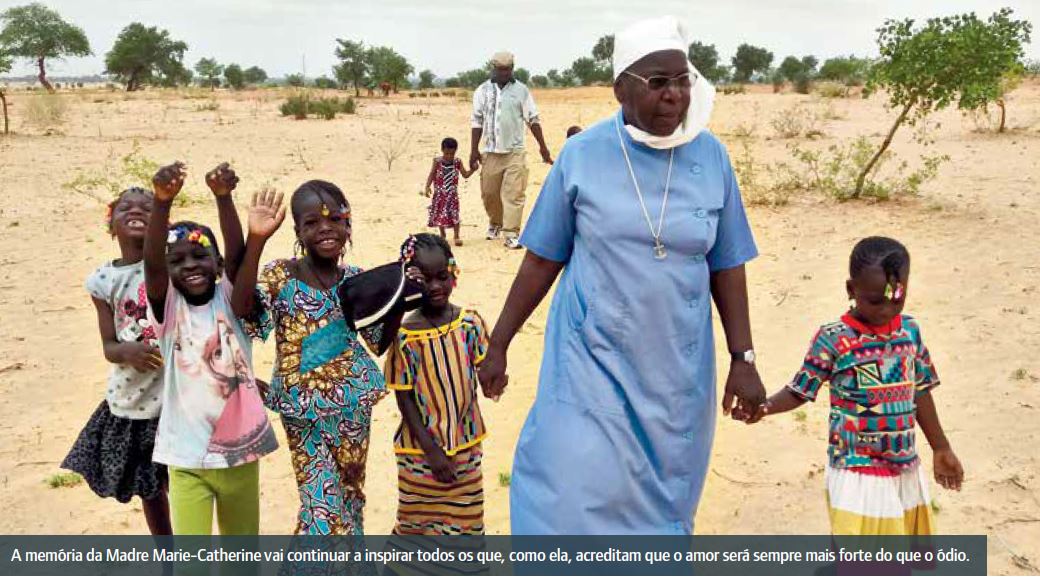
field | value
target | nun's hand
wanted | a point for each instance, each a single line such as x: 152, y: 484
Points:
x: 492, y: 373
x: 744, y: 387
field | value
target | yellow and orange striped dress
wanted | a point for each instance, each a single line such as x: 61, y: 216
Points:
x: 439, y: 367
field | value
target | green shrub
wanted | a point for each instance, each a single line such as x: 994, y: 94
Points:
x: 296, y: 106
x: 325, y: 108
x: 65, y: 480
x: 411, y: 95
x: 348, y: 105
x: 797, y: 121
x: 831, y: 89
x: 733, y: 89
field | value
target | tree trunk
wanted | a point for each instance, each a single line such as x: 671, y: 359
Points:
x: 43, y: 75
x: 3, y: 101
x: 884, y: 146
x: 1003, y: 114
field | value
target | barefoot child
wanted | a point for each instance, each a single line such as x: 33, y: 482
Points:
x: 213, y: 428
x: 432, y: 368
x: 444, y: 178
x: 113, y: 453
x: 880, y: 376
x: 325, y: 383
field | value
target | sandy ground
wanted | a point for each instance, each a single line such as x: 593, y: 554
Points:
x: 972, y: 235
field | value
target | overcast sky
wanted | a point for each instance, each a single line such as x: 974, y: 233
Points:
x: 284, y: 36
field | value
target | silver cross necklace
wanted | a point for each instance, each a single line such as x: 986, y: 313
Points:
x: 659, y: 250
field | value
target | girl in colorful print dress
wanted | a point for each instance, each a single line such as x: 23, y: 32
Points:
x: 325, y: 383
x: 433, y: 369
x: 881, y: 378
x: 213, y: 429
x: 113, y: 453
x: 444, y: 178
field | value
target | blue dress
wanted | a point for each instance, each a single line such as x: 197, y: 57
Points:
x: 619, y: 436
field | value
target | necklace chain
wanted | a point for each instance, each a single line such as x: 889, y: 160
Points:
x: 317, y: 277
x: 437, y: 328
x: 642, y: 203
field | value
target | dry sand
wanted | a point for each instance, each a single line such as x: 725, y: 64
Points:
x: 972, y: 235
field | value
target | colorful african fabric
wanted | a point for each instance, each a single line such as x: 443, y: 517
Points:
x: 875, y: 375
x: 429, y: 507
x: 863, y: 504
x: 444, y: 208
x: 439, y: 366
x: 324, y: 386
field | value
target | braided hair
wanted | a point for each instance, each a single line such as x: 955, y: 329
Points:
x: 887, y: 253
x: 185, y: 229
x: 111, y: 207
x: 412, y: 245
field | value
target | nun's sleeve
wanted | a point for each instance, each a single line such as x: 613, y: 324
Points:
x: 734, y: 243
x: 400, y: 368
x: 550, y: 229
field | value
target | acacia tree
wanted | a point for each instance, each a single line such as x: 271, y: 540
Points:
x: 37, y: 33
x: 706, y: 59
x: 353, y: 66
x: 603, y: 53
x: 848, y: 70
x: 426, y: 79
x: 585, y: 70
x: 254, y: 75
x: 386, y: 65
x: 958, y: 59
x: 143, y: 55
x: 234, y: 76
x: 209, y: 72
x: 5, y: 66
x: 750, y: 60
x: 523, y: 75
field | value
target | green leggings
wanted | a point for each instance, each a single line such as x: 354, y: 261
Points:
x: 235, y: 490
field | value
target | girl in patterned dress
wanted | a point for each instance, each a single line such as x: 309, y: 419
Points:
x: 432, y: 369
x: 881, y: 378
x: 444, y: 179
x: 325, y: 383
x: 113, y: 453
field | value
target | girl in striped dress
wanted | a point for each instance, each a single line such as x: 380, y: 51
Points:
x: 881, y: 378
x: 432, y: 369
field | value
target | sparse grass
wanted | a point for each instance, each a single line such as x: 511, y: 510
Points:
x: 504, y: 479
x: 211, y: 105
x: 296, y: 106
x: 830, y: 89
x: 800, y: 416
x: 934, y: 505
x: 65, y: 480
x: 46, y: 111
x: 132, y: 169
x: 733, y: 89
x: 1020, y: 374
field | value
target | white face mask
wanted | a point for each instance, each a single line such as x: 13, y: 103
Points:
x: 702, y: 100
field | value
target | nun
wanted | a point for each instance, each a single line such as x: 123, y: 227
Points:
x: 642, y: 215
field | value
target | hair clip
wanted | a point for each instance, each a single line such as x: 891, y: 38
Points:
x: 408, y: 249
x: 894, y: 292
x: 325, y: 210
x: 196, y: 236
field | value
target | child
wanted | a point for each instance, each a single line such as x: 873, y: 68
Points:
x: 113, y: 453
x: 881, y: 376
x: 573, y: 131
x: 325, y: 383
x: 444, y: 177
x: 213, y: 428
x: 432, y: 368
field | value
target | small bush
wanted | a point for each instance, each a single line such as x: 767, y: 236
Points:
x: 733, y: 89
x: 296, y: 106
x: 46, y: 111
x: 803, y: 85
x: 830, y: 89
x: 348, y: 105
x: 423, y: 94
x: 411, y: 95
x: 435, y: 94
x: 212, y: 105
x: 504, y: 479
x: 796, y: 121
x: 325, y: 108
x: 835, y: 170
x: 448, y: 93
x: 65, y: 480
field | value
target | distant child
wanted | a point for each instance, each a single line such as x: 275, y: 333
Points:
x: 213, y: 428
x: 444, y: 178
x: 573, y: 131
x: 880, y: 376
x: 433, y: 368
x: 113, y: 453
x: 325, y: 383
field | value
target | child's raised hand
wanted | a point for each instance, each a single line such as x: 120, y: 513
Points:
x: 222, y: 180
x: 948, y: 470
x: 168, y: 181
x: 266, y: 213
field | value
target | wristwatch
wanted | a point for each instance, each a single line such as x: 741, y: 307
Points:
x: 747, y: 357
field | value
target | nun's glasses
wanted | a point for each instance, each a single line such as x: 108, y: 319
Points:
x: 682, y: 82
